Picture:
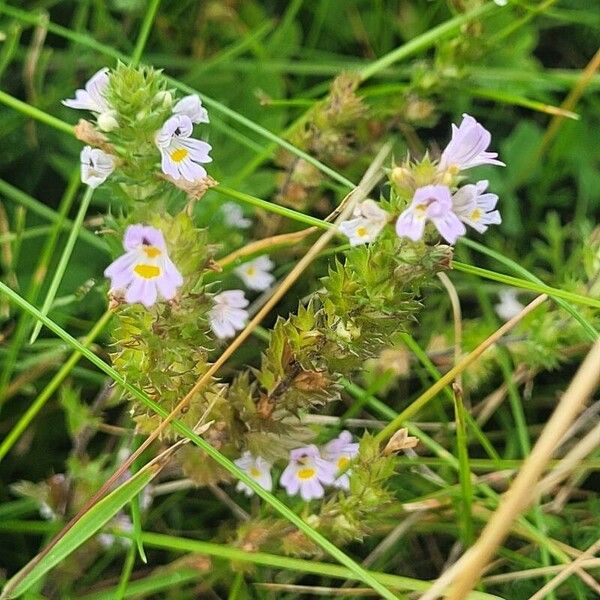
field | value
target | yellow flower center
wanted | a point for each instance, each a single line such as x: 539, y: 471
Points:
x: 254, y: 472
x: 361, y: 231
x: 179, y: 154
x: 306, y: 473
x: 147, y: 271
x: 343, y: 462
x: 251, y: 271
x: 476, y: 215
x: 420, y: 210
x: 151, y: 251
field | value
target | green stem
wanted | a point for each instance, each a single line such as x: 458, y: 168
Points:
x: 35, y: 113
x: 144, y: 32
x: 64, y: 259
x: 424, y: 40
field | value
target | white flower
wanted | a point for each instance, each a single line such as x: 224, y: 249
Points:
x: 257, y: 468
x: 92, y: 97
x: 191, y: 106
x: 340, y: 451
x: 369, y: 221
x: 145, y: 270
x: 475, y: 208
x: 181, y: 154
x: 228, y: 314
x: 306, y: 473
x: 501, y: 2
x: 255, y: 273
x: 509, y: 306
x: 234, y: 216
x: 96, y: 166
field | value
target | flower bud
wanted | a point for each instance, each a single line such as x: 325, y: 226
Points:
x: 163, y: 99
x: 107, y: 121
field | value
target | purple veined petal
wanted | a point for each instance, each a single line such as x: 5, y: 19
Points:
x: 191, y: 171
x: 119, y: 265
x: 410, y: 226
x: 172, y: 271
x: 149, y: 293
x: 134, y: 292
x: 233, y: 298
x: 310, y: 451
x: 198, y: 149
x: 261, y: 281
x: 166, y: 286
x: 264, y: 263
x: 122, y: 279
x: 245, y: 461
x: 450, y: 227
x: 242, y: 487
x: 487, y: 202
x: 133, y: 237
x: 191, y: 106
x: 82, y: 101
x: 168, y: 166
x: 311, y: 489
x: 151, y: 236
x: 222, y: 328
x: 326, y: 471
x: 176, y: 127
x: 288, y: 474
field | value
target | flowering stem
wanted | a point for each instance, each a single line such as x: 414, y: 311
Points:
x: 64, y: 260
x: 184, y: 430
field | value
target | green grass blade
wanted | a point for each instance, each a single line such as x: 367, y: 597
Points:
x: 64, y: 259
x: 591, y: 331
x: 34, y: 408
x: 425, y: 40
x: 85, y: 528
x: 222, y: 460
x: 540, y: 288
x: 144, y: 32
x: 272, y: 207
x: 40, y: 209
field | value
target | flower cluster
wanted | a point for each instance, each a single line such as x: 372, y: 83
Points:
x: 447, y: 207
x: 181, y: 155
x: 308, y: 470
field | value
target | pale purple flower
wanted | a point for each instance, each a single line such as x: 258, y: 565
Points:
x: 467, y: 147
x: 234, y: 216
x: 509, y: 306
x: 227, y: 314
x: 369, y: 220
x: 430, y: 203
x: 258, y: 469
x: 306, y: 473
x: 256, y: 273
x: 96, y: 166
x: 191, y: 106
x: 92, y: 98
x: 476, y: 208
x: 340, y: 451
x: 182, y: 154
x: 145, y: 271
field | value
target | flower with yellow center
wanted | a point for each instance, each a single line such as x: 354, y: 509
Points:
x: 306, y: 473
x: 256, y: 467
x: 145, y: 271
x: 340, y: 452
x: 369, y: 220
x: 182, y: 156
x: 256, y: 273
x: 475, y: 207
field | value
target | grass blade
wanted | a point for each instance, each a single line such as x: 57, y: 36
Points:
x: 85, y: 528
x: 64, y: 260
